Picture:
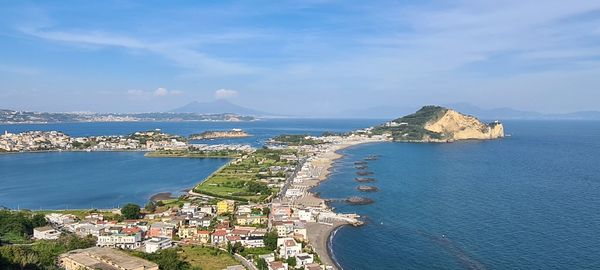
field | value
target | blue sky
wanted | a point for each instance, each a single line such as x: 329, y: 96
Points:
x: 314, y: 58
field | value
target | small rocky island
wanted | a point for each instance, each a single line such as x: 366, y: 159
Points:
x: 234, y: 133
x: 364, y: 179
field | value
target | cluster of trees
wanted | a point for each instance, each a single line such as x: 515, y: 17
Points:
x: 17, y: 227
x: 131, y: 211
x: 296, y: 139
x: 43, y: 254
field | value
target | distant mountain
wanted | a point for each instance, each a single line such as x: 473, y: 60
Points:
x: 508, y: 113
x: 217, y: 106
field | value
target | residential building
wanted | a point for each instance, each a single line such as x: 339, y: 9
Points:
x: 276, y: 265
x: 218, y: 237
x: 250, y: 219
x: 225, y: 206
x: 45, y: 233
x: 156, y: 244
x: 203, y: 236
x: 303, y: 259
x: 125, y: 241
x: 161, y: 229
x: 288, y: 247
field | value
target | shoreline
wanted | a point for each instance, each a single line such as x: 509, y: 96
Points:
x: 321, y: 235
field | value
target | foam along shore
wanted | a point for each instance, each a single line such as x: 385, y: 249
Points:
x: 316, y: 169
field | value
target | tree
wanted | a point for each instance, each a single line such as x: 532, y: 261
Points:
x: 150, y: 207
x: 270, y: 240
x: 229, y: 247
x: 131, y: 211
x: 38, y: 220
x: 237, y: 247
x: 261, y: 264
x: 266, y: 211
x: 291, y: 261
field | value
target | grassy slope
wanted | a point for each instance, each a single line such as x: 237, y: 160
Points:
x: 415, y: 124
x: 207, y: 258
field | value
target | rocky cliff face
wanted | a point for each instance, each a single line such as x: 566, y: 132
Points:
x: 439, y: 124
x: 457, y: 126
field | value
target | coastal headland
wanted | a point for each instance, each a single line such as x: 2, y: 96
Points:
x: 265, y: 192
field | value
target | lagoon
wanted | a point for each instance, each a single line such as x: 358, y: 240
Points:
x: 69, y: 180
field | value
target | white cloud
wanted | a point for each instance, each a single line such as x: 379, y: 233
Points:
x: 225, y: 94
x: 161, y: 92
x: 178, y: 52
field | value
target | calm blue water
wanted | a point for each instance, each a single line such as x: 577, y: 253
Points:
x: 531, y: 201
x: 94, y: 180
x: 110, y: 179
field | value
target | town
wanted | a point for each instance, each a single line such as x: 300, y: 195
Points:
x: 257, y: 209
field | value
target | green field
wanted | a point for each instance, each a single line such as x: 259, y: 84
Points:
x: 207, y: 258
x: 195, y: 154
x: 240, y: 179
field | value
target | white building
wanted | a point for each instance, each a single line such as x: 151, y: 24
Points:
x: 60, y: 219
x: 303, y: 259
x: 124, y: 241
x: 45, y: 233
x: 156, y: 244
x: 288, y: 247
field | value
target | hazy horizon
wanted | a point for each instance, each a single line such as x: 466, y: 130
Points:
x: 305, y: 58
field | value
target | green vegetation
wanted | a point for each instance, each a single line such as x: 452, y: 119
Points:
x: 153, y: 135
x: 412, y: 127
x: 167, y: 259
x: 270, y: 240
x: 291, y: 261
x: 195, y: 154
x: 131, y: 211
x: 17, y: 227
x: 207, y: 258
x: 41, y: 255
x: 245, y: 179
x: 261, y: 264
x: 296, y: 139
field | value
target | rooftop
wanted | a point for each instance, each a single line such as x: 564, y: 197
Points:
x: 107, y: 259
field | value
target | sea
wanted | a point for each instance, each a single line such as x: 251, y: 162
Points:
x: 528, y: 201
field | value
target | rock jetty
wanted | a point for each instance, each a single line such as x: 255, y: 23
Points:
x: 365, y: 188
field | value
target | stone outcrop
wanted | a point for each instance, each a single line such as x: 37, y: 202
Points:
x: 457, y: 126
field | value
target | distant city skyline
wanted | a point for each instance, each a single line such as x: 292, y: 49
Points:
x: 306, y: 58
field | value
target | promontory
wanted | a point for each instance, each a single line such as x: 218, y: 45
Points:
x: 439, y: 124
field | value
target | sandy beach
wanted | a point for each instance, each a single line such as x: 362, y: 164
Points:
x: 319, y: 233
